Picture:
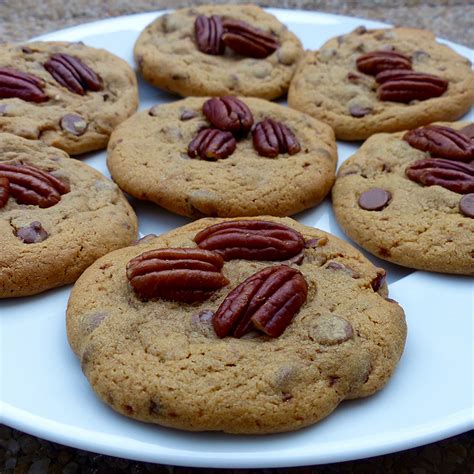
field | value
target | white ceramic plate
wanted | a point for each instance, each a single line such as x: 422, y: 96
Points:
x: 430, y: 397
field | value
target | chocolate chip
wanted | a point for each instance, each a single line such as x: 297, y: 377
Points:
x: 335, y: 266
x: 154, y: 110
x: 379, y: 280
x: 360, y: 30
x: 374, y: 199
x: 32, y: 234
x: 468, y: 131
x: 330, y: 330
x: 26, y: 50
x: 359, y: 111
x: 313, y: 243
x: 3, y: 109
x: 353, y: 77
x: 338, y: 266
x: 420, y: 55
x: 187, y: 115
x: 74, y: 124
x: 466, y: 205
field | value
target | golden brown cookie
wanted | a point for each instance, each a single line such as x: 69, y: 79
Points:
x: 57, y: 216
x: 219, y: 50
x: 67, y: 95
x: 161, y: 361
x: 387, y: 80
x: 409, y: 197
x: 150, y: 156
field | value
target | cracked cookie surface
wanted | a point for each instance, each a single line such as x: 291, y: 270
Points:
x: 160, y: 361
x: 147, y: 157
x: 421, y: 226
x: 90, y: 220
x: 94, y: 114
x: 167, y: 56
x: 328, y: 85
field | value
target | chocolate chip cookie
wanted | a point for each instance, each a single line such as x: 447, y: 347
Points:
x: 255, y: 325
x: 224, y: 157
x: 68, y: 95
x: 219, y: 50
x: 409, y: 197
x: 57, y: 216
x: 387, y: 80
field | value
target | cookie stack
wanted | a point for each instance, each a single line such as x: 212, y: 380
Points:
x: 244, y: 321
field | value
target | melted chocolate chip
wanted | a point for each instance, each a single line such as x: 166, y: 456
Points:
x: 359, y: 111
x: 374, y: 199
x: 331, y: 329
x: 466, y: 205
x: 154, y: 110
x: 187, y: 115
x: 32, y: 234
x: 74, y: 124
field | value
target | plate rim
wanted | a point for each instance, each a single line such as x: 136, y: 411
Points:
x: 25, y: 421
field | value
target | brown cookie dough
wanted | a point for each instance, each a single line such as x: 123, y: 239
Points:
x: 161, y: 362
x: 168, y: 57
x: 148, y: 159
x: 46, y: 247
x: 427, y: 227
x: 328, y: 85
x: 66, y: 117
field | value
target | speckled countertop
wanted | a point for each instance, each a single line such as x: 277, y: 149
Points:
x: 22, y: 19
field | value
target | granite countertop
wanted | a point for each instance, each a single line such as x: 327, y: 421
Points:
x: 20, y: 20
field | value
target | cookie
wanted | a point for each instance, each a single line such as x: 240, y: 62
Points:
x: 387, y: 80
x: 409, y: 198
x: 57, y: 216
x: 218, y: 50
x: 159, y: 359
x: 68, y: 95
x: 154, y: 156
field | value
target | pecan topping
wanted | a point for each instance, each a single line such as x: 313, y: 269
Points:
x: 208, y: 33
x: 30, y: 185
x: 21, y: 85
x: 452, y: 175
x: 268, y: 300
x: 378, y: 61
x: 4, y: 191
x: 442, y: 142
x: 248, y: 41
x: 229, y: 114
x: 251, y: 240
x: 271, y: 138
x: 212, y: 144
x: 73, y: 74
x: 181, y: 274
x: 399, y: 85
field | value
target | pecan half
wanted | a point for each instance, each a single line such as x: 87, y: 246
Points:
x: 251, y: 240
x: 229, y: 114
x: 30, y: 185
x: 180, y: 274
x: 208, y: 34
x: 16, y: 84
x: 452, y: 175
x: 378, y: 61
x: 212, y: 144
x: 73, y: 74
x: 248, y: 41
x: 271, y: 138
x: 268, y: 300
x: 399, y: 85
x: 4, y: 191
x: 442, y: 142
